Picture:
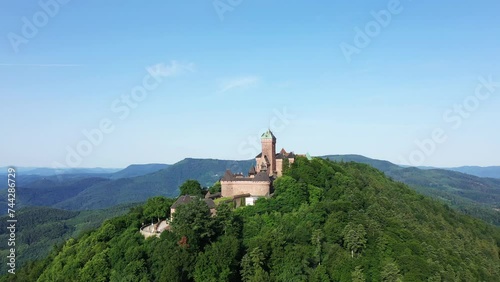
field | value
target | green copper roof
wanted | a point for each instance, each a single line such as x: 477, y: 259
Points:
x: 268, y: 135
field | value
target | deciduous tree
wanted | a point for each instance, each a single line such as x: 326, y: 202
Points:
x: 191, y: 187
x: 354, y: 238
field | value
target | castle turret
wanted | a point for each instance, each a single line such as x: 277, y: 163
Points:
x: 252, y: 172
x: 268, y: 141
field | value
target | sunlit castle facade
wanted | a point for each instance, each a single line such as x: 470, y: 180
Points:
x: 258, y: 183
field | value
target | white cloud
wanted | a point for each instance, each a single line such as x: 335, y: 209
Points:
x: 238, y: 82
x: 174, y: 68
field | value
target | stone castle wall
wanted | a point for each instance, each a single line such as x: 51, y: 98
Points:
x: 254, y: 188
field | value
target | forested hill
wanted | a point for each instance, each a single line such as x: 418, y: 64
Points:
x: 327, y: 221
x: 472, y: 195
x: 40, y: 228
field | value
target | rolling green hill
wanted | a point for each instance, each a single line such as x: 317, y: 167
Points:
x: 477, y: 189
x: 327, y: 221
x: 40, y: 228
x: 470, y: 194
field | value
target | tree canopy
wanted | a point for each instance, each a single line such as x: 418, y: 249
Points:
x: 157, y: 207
x: 327, y: 221
x: 191, y: 187
x: 215, y: 188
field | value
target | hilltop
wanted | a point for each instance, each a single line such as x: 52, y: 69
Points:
x: 327, y: 221
x: 469, y: 194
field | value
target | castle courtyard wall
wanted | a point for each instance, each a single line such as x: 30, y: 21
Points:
x: 254, y: 188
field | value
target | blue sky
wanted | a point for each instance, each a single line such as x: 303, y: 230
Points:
x: 226, y: 76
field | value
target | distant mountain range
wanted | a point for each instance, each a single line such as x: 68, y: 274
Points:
x: 490, y: 171
x: 82, y: 192
x: 480, y: 171
x: 470, y: 194
x: 29, y: 174
x: 138, y: 170
x: 53, y: 171
x: 142, y: 169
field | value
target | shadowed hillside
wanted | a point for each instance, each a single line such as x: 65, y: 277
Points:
x: 165, y: 182
x: 40, y: 228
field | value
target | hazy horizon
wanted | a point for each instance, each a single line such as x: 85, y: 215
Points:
x: 123, y: 167
x: 158, y: 82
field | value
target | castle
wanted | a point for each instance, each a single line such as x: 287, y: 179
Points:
x: 258, y: 183
x: 242, y: 190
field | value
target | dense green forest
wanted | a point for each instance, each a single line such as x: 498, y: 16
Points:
x: 40, y: 228
x: 327, y: 221
x: 469, y: 194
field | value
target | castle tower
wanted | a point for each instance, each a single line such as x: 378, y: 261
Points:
x: 269, y: 151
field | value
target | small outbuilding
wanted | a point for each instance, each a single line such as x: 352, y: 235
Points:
x: 184, y: 199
